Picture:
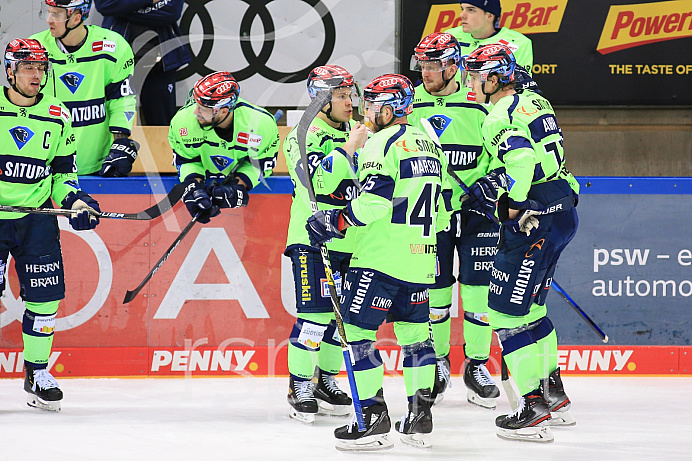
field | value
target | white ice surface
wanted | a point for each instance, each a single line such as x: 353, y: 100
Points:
x: 630, y: 418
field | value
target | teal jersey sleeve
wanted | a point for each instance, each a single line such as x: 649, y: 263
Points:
x: 94, y: 84
x: 333, y: 177
x: 401, y: 172
x: 37, y: 154
x: 250, y: 154
x: 457, y: 121
x: 522, y: 135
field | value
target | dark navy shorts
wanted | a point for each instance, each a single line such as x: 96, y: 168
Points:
x: 370, y: 297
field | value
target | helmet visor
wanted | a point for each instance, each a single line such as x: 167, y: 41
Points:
x: 420, y: 65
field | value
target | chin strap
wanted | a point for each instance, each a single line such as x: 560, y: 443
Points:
x: 328, y: 113
x: 487, y: 95
x: 381, y: 127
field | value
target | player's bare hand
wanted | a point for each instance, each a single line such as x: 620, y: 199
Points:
x: 358, y: 135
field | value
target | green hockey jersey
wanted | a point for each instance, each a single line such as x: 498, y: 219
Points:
x: 457, y: 121
x: 522, y: 135
x: 37, y: 153
x: 333, y: 178
x: 402, y: 175
x: 94, y: 84
x: 250, y: 155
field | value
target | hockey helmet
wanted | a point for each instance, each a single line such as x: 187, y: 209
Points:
x: 442, y: 47
x: 330, y: 77
x: 492, y: 59
x: 83, y: 6
x: 392, y: 90
x: 25, y: 50
x: 216, y: 91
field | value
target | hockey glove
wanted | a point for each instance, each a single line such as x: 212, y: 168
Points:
x: 118, y: 162
x: 84, y: 207
x: 325, y: 225
x: 525, y: 222
x: 482, y: 195
x: 231, y: 195
x: 198, y: 202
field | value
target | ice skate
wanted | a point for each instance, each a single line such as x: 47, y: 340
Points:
x: 417, y: 424
x: 442, y: 379
x: 529, y: 422
x: 302, y: 400
x: 482, y: 390
x: 42, y: 389
x: 377, y: 426
x: 554, y: 394
x: 331, y: 400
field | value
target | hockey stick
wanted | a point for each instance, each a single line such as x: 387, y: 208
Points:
x: 322, y: 98
x: 507, y: 385
x: 573, y: 304
x: 130, y: 295
x: 150, y: 213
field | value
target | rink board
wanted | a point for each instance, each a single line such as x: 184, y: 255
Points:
x: 223, y: 303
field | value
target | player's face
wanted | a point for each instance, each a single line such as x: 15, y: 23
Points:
x: 342, y: 104
x: 205, y: 115
x: 473, y: 19
x: 433, y: 75
x: 28, y: 77
x: 474, y: 83
x: 57, y: 20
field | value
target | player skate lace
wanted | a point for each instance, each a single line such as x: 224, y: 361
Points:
x: 519, y: 409
x: 44, y: 380
x: 443, y: 372
x: 482, y: 376
x: 330, y: 383
x: 304, y: 390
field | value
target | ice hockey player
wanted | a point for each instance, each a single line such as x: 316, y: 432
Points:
x: 457, y: 119
x: 393, y: 264
x: 480, y: 25
x: 538, y: 215
x: 223, y: 146
x: 37, y: 160
x: 332, y: 143
x: 91, y: 71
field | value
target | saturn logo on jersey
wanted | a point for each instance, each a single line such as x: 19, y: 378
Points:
x: 23, y: 170
x: 21, y: 135
x: 72, y: 80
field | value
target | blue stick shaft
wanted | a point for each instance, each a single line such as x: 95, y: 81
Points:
x: 354, y: 390
x: 571, y: 302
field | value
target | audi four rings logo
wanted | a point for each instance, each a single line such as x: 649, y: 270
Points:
x: 257, y: 63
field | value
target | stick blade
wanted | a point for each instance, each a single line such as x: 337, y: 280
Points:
x: 129, y: 296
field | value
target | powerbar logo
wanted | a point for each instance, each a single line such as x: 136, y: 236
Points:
x: 527, y: 17
x: 627, y: 26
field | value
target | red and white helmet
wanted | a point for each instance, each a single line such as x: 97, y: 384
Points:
x: 216, y: 91
x: 492, y: 59
x: 392, y: 90
x: 329, y: 77
x: 25, y: 50
x: 438, y: 46
x: 83, y: 6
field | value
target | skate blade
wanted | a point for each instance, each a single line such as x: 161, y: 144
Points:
x: 35, y: 402
x: 370, y: 443
x: 562, y: 419
x: 416, y: 440
x: 539, y: 434
x: 439, y: 398
x: 305, y: 418
x: 482, y: 402
x: 327, y: 409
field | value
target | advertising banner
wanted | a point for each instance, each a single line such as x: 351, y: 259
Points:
x: 585, y: 52
x: 270, y: 46
x: 224, y: 302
